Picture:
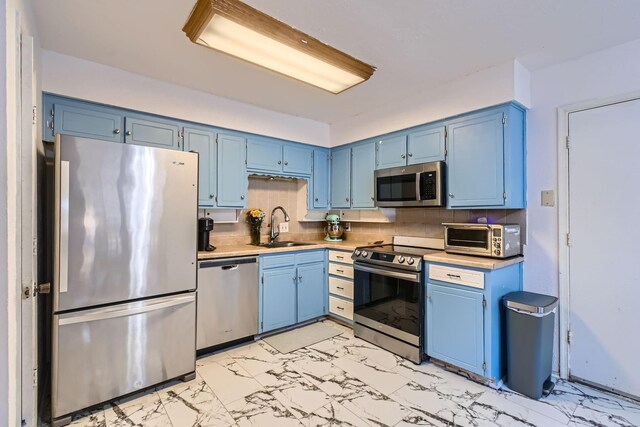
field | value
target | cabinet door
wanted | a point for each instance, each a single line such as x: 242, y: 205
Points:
x: 87, y: 122
x: 153, y: 132
x: 203, y: 142
x: 320, y: 180
x: 426, y: 145
x: 311, y: 291
x: 475, y: 173
x: 297, y: 160
x: 391, y: 152
x: 341, y: 178
x: 455, y: 328
x: 264, y: 155
x: 278, y: 298
x: 232, y: 174
x: 363, y: 160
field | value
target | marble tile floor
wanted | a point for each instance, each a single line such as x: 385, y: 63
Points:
x: 344, y: 381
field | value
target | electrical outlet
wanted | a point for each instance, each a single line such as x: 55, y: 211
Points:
x: 347, y: 226
x: 283, y: 227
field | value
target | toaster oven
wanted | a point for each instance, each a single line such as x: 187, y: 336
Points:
x: 489, y: 240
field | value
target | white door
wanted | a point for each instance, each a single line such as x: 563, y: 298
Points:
x: 604, y: 255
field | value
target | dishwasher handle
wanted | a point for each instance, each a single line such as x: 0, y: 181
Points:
x: 228, y: 263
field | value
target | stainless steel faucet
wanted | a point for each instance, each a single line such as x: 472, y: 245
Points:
x: 274, y: 234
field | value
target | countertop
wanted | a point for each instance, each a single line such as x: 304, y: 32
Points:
x: 245, y: 250
x: 473, y: 261
x: 226, y: 251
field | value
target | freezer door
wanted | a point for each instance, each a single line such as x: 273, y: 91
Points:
x: 103, y: 353
x: 125, y: 222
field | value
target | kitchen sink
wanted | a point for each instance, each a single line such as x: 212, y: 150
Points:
x: 284, y: 244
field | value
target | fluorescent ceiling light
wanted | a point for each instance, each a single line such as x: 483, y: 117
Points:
x: 237, y: 29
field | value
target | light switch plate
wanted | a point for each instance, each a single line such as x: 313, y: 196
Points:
x: 548, y: 198
x: 283, y: 227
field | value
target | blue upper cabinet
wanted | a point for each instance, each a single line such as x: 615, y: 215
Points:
x: 297, y: 159
x: 232, y: 175
x: 264, y: 155
x: 84, y: 120
x: 152, y: 131
x: 341, y: 178
x: 203, y: 142
x: 426, y: 145
x: 485, y: 165
x: 391, y: 152
x: 363, y: 159
x: 320, y: 180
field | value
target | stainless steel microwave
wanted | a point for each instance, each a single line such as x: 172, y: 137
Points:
x: 416, y: 185
x: 489, y: 240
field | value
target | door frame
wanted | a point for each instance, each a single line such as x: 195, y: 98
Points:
x: 563, y: 213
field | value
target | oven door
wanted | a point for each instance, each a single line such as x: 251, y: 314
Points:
x: 389, y: 301
x: 468, y: 239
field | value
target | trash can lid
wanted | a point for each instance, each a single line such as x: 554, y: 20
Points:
x: 530, y: 302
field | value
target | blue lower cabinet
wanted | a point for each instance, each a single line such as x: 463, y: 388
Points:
x: 312, y: 293
x: 293, y: 288
x: 278, y: 298
x: 455, y: 327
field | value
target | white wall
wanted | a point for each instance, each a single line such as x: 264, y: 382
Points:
x: 70, y: 76
x: 502, y: 83
x: 9, y: 209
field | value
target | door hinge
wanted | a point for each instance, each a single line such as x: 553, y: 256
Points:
x: 504, y: 195
x: 568, y: 337
x: 484, y: 303
x: 446, y: 151
x: 567, y: 142
x: 262, y: 326
x: 35, y: 377
x: 504, y: 119
x: 568, y: 239
x: 484, y: 366
x: 445, y: 132
x: 52, y: 117
x: 262, y: 275
x: 35, y: 115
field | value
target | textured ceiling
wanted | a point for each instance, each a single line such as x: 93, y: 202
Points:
x: 415, y: 44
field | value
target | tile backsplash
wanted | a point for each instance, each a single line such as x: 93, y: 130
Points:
x: 418, y: 222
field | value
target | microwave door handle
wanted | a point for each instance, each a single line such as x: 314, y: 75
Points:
x: 418, y: 195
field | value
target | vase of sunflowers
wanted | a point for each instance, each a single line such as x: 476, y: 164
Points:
x: 255, y: 218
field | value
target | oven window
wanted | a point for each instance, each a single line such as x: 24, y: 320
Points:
x: 397, y: 188
x: 387, y: 300
x: 469, y: 238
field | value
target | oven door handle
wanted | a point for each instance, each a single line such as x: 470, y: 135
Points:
x: 383, y: 272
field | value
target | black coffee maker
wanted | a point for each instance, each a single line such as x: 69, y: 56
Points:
x: 205, y: 225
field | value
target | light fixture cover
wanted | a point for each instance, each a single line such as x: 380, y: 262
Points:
x: 237, y: 29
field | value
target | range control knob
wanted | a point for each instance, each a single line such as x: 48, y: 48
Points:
x: 497, y: 251
x: 400, y: 259
x: 365, y: 253
x: 357, y: 252
x: 410, y: 261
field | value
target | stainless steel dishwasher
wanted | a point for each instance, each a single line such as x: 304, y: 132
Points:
x: 227, y: 300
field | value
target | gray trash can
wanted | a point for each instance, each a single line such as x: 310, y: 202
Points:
x: 530, y: 321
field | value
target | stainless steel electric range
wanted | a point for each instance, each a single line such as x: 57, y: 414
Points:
x: 388, y: 295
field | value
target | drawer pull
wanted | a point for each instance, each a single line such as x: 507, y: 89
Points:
x: 454, y: 276
x: 340, y: 287
x: 340, y: 308
x: 339, y: 271
x: 339, y: 257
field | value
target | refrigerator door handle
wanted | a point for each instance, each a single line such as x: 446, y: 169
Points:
x: 64, y: 226
x: 127, y: 310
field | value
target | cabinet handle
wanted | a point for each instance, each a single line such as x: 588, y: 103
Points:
x: 339, y: 271
x: 299, y: 277
x: 372, y: 198
x: 241, y: 197
x: 347, y: 199
x: 429, y: 297
x: 339, y: 257
x: 116, y: 131
x: 410, y: 154
x: 279, y: 162
x: 128, y: 133
x: 451, y: 195
x: 454, y: 276
x: 338, y: 287
x: 340, y: 308
x: 403, y: 156
x: 211, y: 196
x: 316, y: 199
x: 286, y: 163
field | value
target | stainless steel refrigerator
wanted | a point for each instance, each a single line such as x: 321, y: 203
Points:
x: 124, y: 272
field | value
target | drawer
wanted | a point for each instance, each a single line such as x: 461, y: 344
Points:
x: 341, y: 307
x: 459, y: 276
x: 339, y: 256
x: 310, y: 256
x: 273, y: 261
x: 341, y: 270
x: 341, y: 287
